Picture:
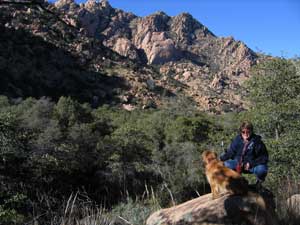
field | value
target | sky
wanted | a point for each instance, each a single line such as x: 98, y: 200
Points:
x: 268, y: 26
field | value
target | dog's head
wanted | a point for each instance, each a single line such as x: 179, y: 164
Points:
x: 208, y: 156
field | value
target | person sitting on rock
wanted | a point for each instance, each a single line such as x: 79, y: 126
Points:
x: 247, y: 154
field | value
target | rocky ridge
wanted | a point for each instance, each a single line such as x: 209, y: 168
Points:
x: 189, y: 58
x: 210, y: 68
x: 48, y: 54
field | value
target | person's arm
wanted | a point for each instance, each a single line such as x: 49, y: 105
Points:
x: 262, y: 156
x: 230, y: 152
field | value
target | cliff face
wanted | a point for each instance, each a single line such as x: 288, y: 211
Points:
x: 190, y: 59
x: 44, y: 52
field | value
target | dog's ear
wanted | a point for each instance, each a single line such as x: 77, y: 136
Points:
x: 208, y: 156
x: 215, y: 155
x: 204, y: 156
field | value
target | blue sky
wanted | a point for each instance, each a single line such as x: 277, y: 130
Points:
x: 268, y: 26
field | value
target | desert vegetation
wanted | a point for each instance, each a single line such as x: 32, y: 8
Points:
x: 63, y: 162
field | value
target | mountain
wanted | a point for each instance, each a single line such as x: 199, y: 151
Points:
x: 94, y: 52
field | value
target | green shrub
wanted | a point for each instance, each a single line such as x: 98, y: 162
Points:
x: 10, y: 207
x: 134, y: 211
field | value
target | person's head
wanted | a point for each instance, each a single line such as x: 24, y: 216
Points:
x: 246, y: 130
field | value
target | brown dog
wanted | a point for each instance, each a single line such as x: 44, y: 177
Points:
x: 222, y: 180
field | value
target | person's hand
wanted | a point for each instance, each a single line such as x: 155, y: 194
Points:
x: 247, y: 166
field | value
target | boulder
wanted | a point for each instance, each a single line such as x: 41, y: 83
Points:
x: 293, y: 207
x: 228, y: 209
x: 124, y: 47
x: 163, y: 51
x: 218, y: 82
x: 151, y: 35
x: 159, y: 48
x: 65, y: 4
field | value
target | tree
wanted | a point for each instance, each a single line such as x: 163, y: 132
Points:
x: 183, y: 129
x: 274, y: 91
x: 178, y: 164
x: 69, y: 112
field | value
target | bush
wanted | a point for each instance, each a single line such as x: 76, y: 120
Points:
x: 50, y: 150
x: 10, y: 207
x: 135, y: 212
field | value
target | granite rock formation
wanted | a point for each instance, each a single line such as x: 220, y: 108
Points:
x: 228, y: 209
x: 179, y: 54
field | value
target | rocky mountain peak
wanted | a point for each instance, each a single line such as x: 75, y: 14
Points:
x: 65, y: 5
x: 95, y: 4
x: 206, y: 68
x: 91, y: 4
x: 159, y: 13
x: 188, y: 28
x: 93, y: 16
x: 105, y: 4
x: 187, y: 18
x: 168, y: 42
x: 155, y: 22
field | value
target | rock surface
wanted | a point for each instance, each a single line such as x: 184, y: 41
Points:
x: 210, y: 69
x: 250, y: 209
x: 185, y: 58
x: 293, y: 207
x: 46, y: 55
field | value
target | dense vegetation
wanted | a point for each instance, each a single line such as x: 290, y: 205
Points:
x: 51, y: 149
x: 130, y: 163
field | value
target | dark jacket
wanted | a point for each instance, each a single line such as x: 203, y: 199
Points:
x: 255, y: 154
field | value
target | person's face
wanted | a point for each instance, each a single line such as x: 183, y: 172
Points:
x: 246, y: 133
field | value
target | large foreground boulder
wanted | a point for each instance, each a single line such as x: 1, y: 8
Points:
x: 228, y: 209
x: 293, y: 209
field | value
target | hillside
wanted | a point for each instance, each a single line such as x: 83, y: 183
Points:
x: 94, y: 52
x: 97, y: 116
x: 44, y: 55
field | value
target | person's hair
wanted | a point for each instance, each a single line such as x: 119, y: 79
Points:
x: 246, y: 125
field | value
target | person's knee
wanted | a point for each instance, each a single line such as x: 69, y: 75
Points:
x: 261, y: 171
x: 230, y: 164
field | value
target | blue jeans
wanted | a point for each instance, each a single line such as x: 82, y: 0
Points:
x: 260, y: 170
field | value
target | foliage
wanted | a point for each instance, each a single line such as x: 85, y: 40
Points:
x: 275, y: 94
x: 268, y: 79
x: 184, y: 129
x: 179, y: 166
x: 275, y: 91
x: 8, y: 209
x: 51, y: 149
x: 134, y: 211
